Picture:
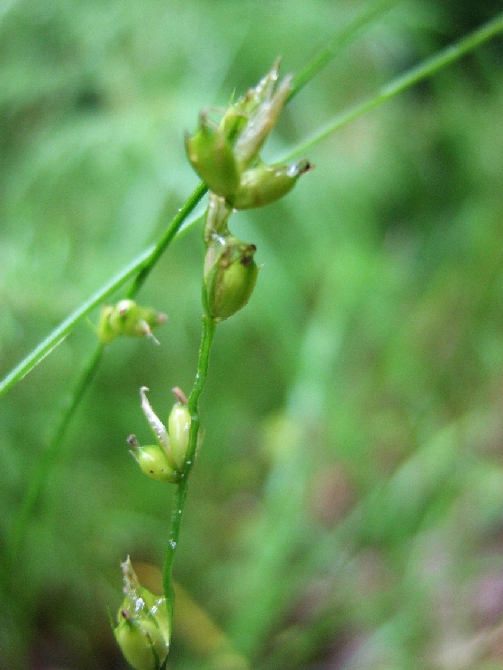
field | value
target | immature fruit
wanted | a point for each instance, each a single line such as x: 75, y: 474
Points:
x: 140, y: 640
x: 230, y: 276
x: 265, y: 184
x: 143, y: 628
x: 213, y: 159
x: 153, y: 461
x: 178, y: 428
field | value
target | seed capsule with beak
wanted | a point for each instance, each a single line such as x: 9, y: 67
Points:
x: 213, y: 159
x: 178, y: 428
x: 265, y: 184
x: 143, y: 630
x: 230, y: 276
x: 153, y: 461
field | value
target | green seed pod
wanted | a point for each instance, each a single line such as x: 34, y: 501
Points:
x: 265, y: 184
x: 153, y: 461
x: 213, y: 159
x: 141, y: 641
x: 128, y: 318
x: 229, y: 278
x: 124, y: 316
x: 143, y: 630
x: 178, y: 428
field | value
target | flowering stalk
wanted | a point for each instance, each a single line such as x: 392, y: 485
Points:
x: 226, y: 156
x: 207, y: 336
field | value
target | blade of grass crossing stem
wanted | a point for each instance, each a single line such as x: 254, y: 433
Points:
x: 345, y: 38
x: 426, y: 69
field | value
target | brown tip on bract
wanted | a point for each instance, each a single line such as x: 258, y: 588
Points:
x: 180, y: 395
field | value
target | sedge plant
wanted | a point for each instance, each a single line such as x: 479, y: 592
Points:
x: 226, y: 155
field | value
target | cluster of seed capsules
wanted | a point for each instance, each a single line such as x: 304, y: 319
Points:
x: 164, y: 461
x: 226, y: 156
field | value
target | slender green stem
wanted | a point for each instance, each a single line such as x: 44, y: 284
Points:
x: 200, y: 380
x: 142, y: 264
x: 413, y: 76
x: 208, y: 333
x: 145, y: 262
x: 167, y: 238
x: 58, y: 334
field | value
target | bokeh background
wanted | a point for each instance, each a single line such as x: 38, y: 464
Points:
x: 346, y: 510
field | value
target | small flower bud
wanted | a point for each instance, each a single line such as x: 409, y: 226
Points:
x: 153, y: 461
x: 265, y: 184
x: 143, y: 630
x: 128, y: 318
x: 213, y: 159
x: 230, y: 276
x: 263, y: 105
x: 237, y: 115
x: 178, y: 428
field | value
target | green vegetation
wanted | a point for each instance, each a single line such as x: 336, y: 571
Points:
x: 346, y: 507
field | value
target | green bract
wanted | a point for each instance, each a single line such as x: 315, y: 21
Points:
x: 230, y: 276
x: 217, y: 216
x: 261, y: 120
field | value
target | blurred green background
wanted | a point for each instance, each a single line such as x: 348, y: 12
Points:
x: 346, y: 510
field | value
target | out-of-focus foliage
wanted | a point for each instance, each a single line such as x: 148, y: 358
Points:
x: 347, y: 505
